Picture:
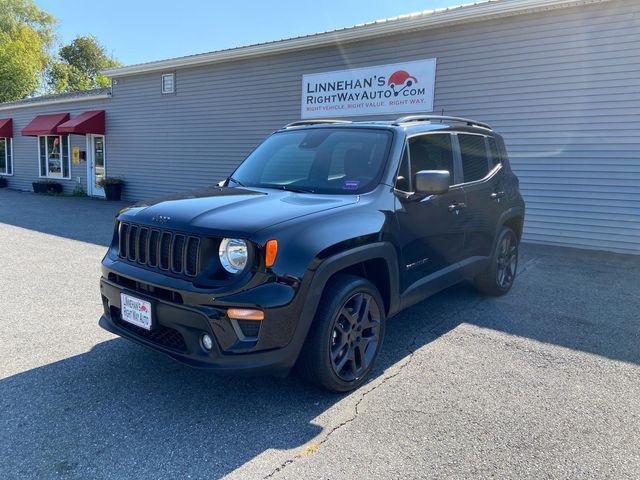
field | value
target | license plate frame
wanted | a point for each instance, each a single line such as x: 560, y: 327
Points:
x: 136, y: 311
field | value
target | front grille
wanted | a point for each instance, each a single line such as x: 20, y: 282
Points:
x: 178, y: 252
x: 165, y: 244
x: 161, y: 335
x: 142, y: 240
x: 161, y: 249
x: 153, y: 253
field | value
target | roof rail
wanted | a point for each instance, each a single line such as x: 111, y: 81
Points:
x: 301, y: 123
x: 442, y: 118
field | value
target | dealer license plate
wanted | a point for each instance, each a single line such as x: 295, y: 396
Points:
x: 135, y: 311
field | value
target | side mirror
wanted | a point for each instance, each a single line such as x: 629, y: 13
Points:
x: 431, y: 182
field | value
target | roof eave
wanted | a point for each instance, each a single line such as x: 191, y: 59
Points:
x: 458, y: 15
x: 54, y: 101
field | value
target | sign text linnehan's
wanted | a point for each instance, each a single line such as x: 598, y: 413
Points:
x: 398, y: 88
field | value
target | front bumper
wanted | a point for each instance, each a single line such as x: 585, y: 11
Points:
x: 177, y: 331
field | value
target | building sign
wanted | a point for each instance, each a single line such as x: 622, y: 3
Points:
x: 398, y: 88
x: 75, y: 155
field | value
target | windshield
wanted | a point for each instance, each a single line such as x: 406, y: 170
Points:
x: 326, y: 160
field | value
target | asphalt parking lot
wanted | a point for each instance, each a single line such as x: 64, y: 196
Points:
x: 541, y: 383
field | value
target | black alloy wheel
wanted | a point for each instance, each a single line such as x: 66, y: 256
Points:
x: 355, y: 337
x: 507, y: 260
x: 346, y: 335
x: 500, y: 274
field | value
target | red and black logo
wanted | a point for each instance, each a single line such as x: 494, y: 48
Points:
x: 400, y: 80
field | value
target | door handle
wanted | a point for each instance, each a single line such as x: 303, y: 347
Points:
x: 456, y: 207
x: 496, y: 195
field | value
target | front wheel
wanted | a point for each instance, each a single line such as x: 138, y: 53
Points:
x: 346, y: 335
x: 499, y: 276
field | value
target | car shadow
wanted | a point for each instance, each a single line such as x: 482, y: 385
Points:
x: 123, y: 411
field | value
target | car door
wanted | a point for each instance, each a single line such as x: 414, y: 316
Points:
x: 480, y: 185
x: 431, y: 228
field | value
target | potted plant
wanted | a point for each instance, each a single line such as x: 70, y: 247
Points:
x: 3, y: 182
x: 112, y: 187
x: 46, y: 186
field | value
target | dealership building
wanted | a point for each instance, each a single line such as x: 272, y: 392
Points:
x: 558, y: 78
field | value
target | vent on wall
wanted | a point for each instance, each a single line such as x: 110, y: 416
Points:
x: 168, y: 83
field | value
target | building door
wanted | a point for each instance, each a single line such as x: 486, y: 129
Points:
x: 96, y: 164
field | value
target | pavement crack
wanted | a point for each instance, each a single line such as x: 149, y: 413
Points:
x: 374, y: 386
x: 279, y: 468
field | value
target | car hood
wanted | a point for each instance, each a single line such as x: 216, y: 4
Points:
x: 231, y: 211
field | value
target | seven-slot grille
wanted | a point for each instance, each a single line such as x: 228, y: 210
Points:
x: 161, y: 249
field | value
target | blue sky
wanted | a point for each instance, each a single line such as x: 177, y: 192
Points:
x: 136, y: 31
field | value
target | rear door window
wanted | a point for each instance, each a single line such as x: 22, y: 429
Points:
x: 475, y: 164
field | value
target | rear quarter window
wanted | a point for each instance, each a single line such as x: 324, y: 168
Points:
x: 503, y: 150
x: 494, y: 152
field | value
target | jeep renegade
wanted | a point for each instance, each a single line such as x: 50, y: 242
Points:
x: 327, y: 229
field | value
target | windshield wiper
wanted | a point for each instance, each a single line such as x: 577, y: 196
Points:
x: 294, y: 189
x: 237, y: 182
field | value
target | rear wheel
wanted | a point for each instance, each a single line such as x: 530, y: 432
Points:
x: 499, y: 276
x: 346, y: 335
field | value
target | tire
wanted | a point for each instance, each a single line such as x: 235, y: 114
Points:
x: 345, y: 337
x: 499, y: 276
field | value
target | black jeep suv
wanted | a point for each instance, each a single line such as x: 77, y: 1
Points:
x: 327, y: 229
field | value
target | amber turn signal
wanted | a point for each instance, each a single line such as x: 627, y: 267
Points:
x: 245, y: 314
x: 272, y: 251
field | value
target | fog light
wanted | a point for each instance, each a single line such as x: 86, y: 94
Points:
x: 207, y: 342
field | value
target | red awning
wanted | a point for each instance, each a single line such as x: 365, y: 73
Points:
x: 87, y: 122
x: 6, y: 127
x: 45, y: 125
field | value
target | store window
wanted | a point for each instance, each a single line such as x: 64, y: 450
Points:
x: 6, y: 157
x: 54, y: 156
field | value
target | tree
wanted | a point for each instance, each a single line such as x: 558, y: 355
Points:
x: 79, y: 65
x: 26, y: 35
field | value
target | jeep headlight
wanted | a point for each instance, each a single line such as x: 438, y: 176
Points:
x: 234, y: 254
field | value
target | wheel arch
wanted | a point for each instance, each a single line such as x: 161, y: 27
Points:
x: 376, y: 262
x: 514, y: 219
